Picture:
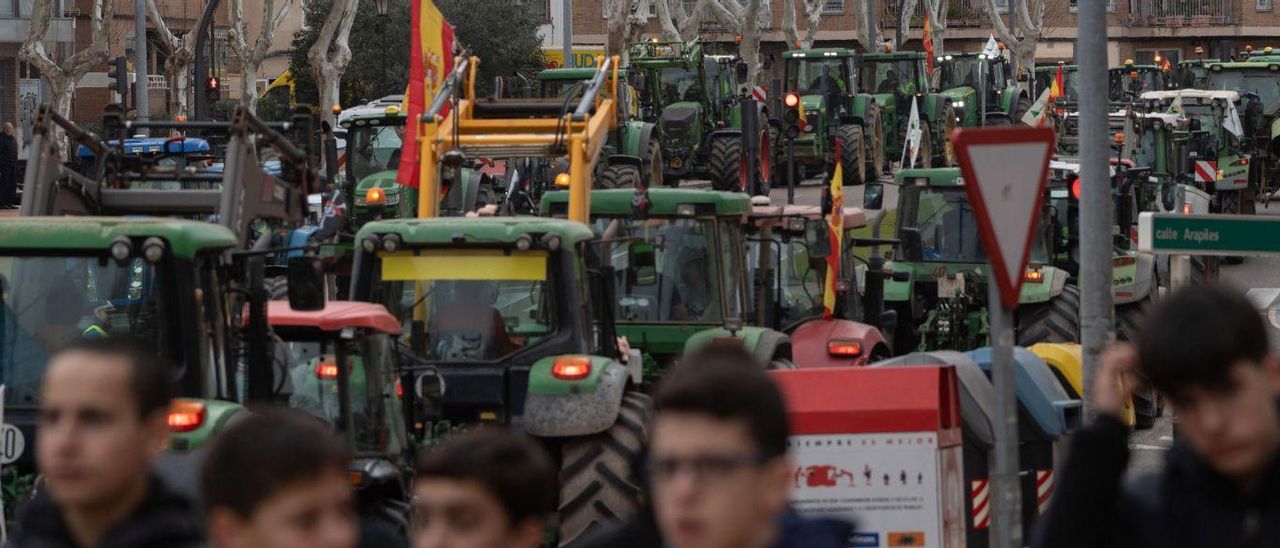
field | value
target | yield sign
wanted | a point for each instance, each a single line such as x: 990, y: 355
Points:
x: 1005, y: 172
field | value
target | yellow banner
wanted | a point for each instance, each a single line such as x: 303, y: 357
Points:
x: 582, y: 58
x: 465, y: 264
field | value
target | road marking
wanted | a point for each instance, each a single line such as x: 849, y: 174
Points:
x: 1262, y: 297
x: 1142, y: 447
x: 1166, y: 438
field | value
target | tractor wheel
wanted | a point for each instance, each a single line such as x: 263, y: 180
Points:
x: 656, y: 164
x: 778, y: 162
x: 597, y: 482
x: 1020, y: 110
x: 277, y: 288
x: 725, y: 162
x: 852, y: 165
x: 618, y: 176
x: 1204, y: 269
x: 1146, y: 406
x: 875, y: 140
x: 1055, y: 321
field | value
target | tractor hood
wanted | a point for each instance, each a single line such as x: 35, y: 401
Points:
x: 885, y: 101
x: 385, y: 180
x: 677, y: 118
x: 813, y: 102
x: 964, y: 93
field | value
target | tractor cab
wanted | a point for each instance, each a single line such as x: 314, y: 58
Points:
x: 1070, y: 97
x: 1126, y: 83
x: 789, y: 254
x: 678, y: 267
x: 1193, y: 73
x: 981, y: 89
x: 941, y: 300
x: 375, y: 137
x: 896, y: 79
x: 563, y: 83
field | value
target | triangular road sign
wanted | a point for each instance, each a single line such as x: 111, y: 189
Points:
x: 1005, y: 171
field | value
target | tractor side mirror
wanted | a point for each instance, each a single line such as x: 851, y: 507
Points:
x: 873, y: 196
x: 306, y: 283
x: 912, y: 246
x: 429, y: 385
x: 740, y: 72
x: 642, y: 264
x: 1169, y: 197
x: 817, y: 239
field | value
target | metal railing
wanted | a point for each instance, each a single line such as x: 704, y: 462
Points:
x: 960, y: 14
x: 1182, y: 13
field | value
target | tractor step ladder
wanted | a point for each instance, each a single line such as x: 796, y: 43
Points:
x: 497, y: 128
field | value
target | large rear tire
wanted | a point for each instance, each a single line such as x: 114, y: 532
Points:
x: 618, y: 176
x: 598, y: 484
x: 947, y: 158
x: 1055, y: 321
x: 875, y: 140
x: 277, y: 288
x: 724, y: 162
x: 924, y: 158
x: 656, y: 164
x: 852, y: 165
x: 1023, y: 105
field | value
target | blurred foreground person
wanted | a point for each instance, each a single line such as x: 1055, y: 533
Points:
x: 102, y: 423
x: 489, y: 488
x: 1205, y: 350
x: 278, y: 479
x: 718, y: 471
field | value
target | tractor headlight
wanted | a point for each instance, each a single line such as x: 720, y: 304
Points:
x: 370, y: 244
x: 121, y: 249
x: 392, y: 199
x: 391, y: 243
x: 153, y: 249
x: 957, y: 104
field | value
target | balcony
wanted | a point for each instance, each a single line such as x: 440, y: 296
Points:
x: 960, y: 14
x: 1182, y: 13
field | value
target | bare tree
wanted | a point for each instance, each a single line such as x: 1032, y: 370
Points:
x: 251, y: 58
x: 906, y: 12
x: 624, y: 22
x: 747, y: 21
x: 812, y: 16
x: 1030, y: 23
x: 181, y: 53
x: 677, y: 24
x: 63, y: 77
x: 937, y: 14
x: 332, y: 52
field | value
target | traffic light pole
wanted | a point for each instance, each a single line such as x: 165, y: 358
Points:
x: 140, y: 62
x: 202, y: 61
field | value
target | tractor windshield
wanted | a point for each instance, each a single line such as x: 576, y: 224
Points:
x: 898, y: 76
x: 1044, y: 80
x: 47, y: 302
x: 371, y: 383
x: 818, y: 76
x: 679, y: 84
x: 948, y: 229
x: 668, y: 269
x: 1128, y: 84
x: 373, y: 149
x: 1260, y: 81
x: 798, y: 281
x: 473, y: 304
x: 560, y: 88
x: 963, y: 72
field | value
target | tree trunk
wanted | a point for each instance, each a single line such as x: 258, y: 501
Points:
x: 750, y: 53
x: 63, y: 91
x: 331, y: 53
x: 330, y: 92
x: 248, y: 86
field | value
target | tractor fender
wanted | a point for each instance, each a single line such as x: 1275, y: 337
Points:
x: 1136, y: 284
x: 763, y: 343
x: 1055, y: 281
x: 562, y: 408
x: 809, y: 343
x: 862, y: 105
x: 274, y: 271
x: 725, y: 132
x: 624, y: 160
x: 636, y: 138
x: 1066, y: 362
x: 771, y: 346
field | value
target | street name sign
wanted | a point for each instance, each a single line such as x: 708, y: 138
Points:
x: 1210, y: 234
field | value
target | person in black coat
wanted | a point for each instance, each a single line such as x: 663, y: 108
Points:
x: 8, y: 168
x: 1205, y: 350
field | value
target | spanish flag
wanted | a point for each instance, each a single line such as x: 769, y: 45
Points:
x: 430, y: 62
x: 928, y: 44
x: 835, y: 235
x: 1056, y: 88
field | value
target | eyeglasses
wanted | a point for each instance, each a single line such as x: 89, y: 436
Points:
x: 702, y: 467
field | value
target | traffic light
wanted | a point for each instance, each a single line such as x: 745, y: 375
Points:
x: 793, y: 115
x: 214, y: 88
x: 118, y: 77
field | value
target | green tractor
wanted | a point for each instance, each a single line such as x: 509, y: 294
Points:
x: 693, y: 100
x: 1193, y: 73
x: 982, y: 89
x: 895, y: 79
x: 1129, y: 81
x: 1258, y: 84
x: 941, y: 301
x: 679, y: 264
x: 519, y: 325
x: 823, y: 80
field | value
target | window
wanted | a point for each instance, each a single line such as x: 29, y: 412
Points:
x: 836, y: 7
x: 653, y: 7
x: 539, y: 10
x: 1111, y: 5
x: 1263, y: 5
x: 1003, y: 5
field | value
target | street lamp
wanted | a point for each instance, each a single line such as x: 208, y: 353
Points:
x: 383, y: 7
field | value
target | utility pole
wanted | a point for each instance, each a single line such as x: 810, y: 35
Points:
x: 140, y: 61
x: 1095, y: 203
x: 873, y: 37
x: 567, y: 22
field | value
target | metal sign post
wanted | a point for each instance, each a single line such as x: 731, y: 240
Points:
x: 1005, y: 172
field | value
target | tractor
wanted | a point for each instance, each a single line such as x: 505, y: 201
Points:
x: 1258, y: 84
x: 693, y: 99
x: 897, y: 79
x: 941, y: 301
x: 981, y: 89
x: 1127, y: 82
x: 822, y: 83
x: 678, y: 259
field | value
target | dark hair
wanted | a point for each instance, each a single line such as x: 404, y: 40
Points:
x: 149, y: 380
x: 728, y: 383
x: 1195, y: 334
x: 264, y: 452
x: 510, y: 467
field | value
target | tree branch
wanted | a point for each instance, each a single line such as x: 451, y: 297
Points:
x: 730, y: 16
x: 32, y: 50
x: 84, y: 60
x: 236, y: 35
x: 167, y: 37
x: 789, y: 24
x: 670, y: 30
x: 813, y: 12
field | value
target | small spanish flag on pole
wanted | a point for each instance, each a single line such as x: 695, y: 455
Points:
x: 835, y: 235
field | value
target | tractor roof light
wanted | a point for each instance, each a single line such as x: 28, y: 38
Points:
x: 844, y: 348
x: 153, y: 249
x: 791, y: 100
x: 336, y: 108
x: 551, y: 242
x: 185, y: 415
x: 375, y: 197
x: 1128, y: 62
x: 524, y: 242
x: 391, y: 243
x: 370, y: 244
x: 391, y: 110
x: 1248, y: 47
x: 562, y: 179
x: 121, y: 249
x: 1119, y: 138
x: 1033, y: 276
x: 571, y: 368
x: 948, y: 57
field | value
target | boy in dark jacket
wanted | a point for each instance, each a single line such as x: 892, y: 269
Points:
x: 1204, y: 348
x: 103, y: 422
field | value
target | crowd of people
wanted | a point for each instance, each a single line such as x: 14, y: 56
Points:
x: 716, y: 467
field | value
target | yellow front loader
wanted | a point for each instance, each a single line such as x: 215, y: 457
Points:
x: 505, y: 128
